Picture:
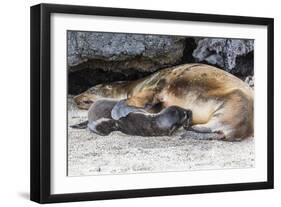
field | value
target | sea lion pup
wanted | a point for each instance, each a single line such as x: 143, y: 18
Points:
x: 163, y: 123
x: 220, y: 102
x: 137, y: 122
x: 99, y: 114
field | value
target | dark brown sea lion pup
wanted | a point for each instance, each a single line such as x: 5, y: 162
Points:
x: 137, y: 122
x: 220, y: 102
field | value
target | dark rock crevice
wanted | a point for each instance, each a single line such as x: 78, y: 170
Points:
x: 190, y: 46
x: 81, y: 80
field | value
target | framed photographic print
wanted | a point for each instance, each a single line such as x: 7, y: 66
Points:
x: 133, y: 103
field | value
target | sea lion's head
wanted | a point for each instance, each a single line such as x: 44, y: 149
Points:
x: 101, y: 91
x: 175, y: 115
x: 85, y: 100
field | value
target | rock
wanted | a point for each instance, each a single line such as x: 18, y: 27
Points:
x: 233, y: 55
x: 100, y: 57
x: 117, y: 52
x: 250, y: 80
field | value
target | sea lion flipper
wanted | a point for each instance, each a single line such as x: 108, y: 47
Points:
x: 82, y: 125
x: 121, y: 109
x: 103, y: 126
x: 202, y: 136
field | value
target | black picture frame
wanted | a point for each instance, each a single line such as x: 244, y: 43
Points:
x: 40, y: 102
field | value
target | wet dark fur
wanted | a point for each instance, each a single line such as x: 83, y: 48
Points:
x: 137, y: 122
x: 164, y: 123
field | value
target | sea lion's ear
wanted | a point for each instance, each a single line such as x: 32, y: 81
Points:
x: 121, y: 109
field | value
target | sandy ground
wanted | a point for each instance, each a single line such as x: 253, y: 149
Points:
x: 91, y: 154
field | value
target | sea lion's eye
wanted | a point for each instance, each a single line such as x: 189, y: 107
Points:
x: 88, y: 102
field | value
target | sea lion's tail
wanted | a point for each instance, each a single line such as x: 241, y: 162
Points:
x: 82, y: 125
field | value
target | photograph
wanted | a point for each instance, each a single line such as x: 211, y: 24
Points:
x: 129, y: 103
x: 154, y: 103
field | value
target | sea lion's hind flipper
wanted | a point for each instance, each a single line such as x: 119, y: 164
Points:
x: 103, y: 126
x: 82, y: 125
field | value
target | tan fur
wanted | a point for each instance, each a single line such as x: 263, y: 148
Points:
x: 219, y: 101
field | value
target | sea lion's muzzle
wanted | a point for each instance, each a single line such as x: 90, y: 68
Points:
x: 83, y: 101
x: 187, y: 119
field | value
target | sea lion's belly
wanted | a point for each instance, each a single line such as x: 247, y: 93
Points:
x: 202, y: 108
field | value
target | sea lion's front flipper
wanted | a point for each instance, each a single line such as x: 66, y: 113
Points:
x: 82, y: 125
x: 121, y: 109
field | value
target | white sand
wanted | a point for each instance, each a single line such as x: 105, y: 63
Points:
x: 91, y: 154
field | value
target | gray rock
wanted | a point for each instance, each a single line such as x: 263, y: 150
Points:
x: 250, y: 80
x: 111, y: 51
x: 232, y: 55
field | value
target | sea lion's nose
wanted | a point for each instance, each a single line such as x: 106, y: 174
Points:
x: 188, y: 119
x: 77, y: 99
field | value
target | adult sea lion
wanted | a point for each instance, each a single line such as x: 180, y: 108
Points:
x: 220, y: 102
x: 138, y: 122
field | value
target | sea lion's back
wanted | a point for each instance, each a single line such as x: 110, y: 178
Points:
x: 101, y: 109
